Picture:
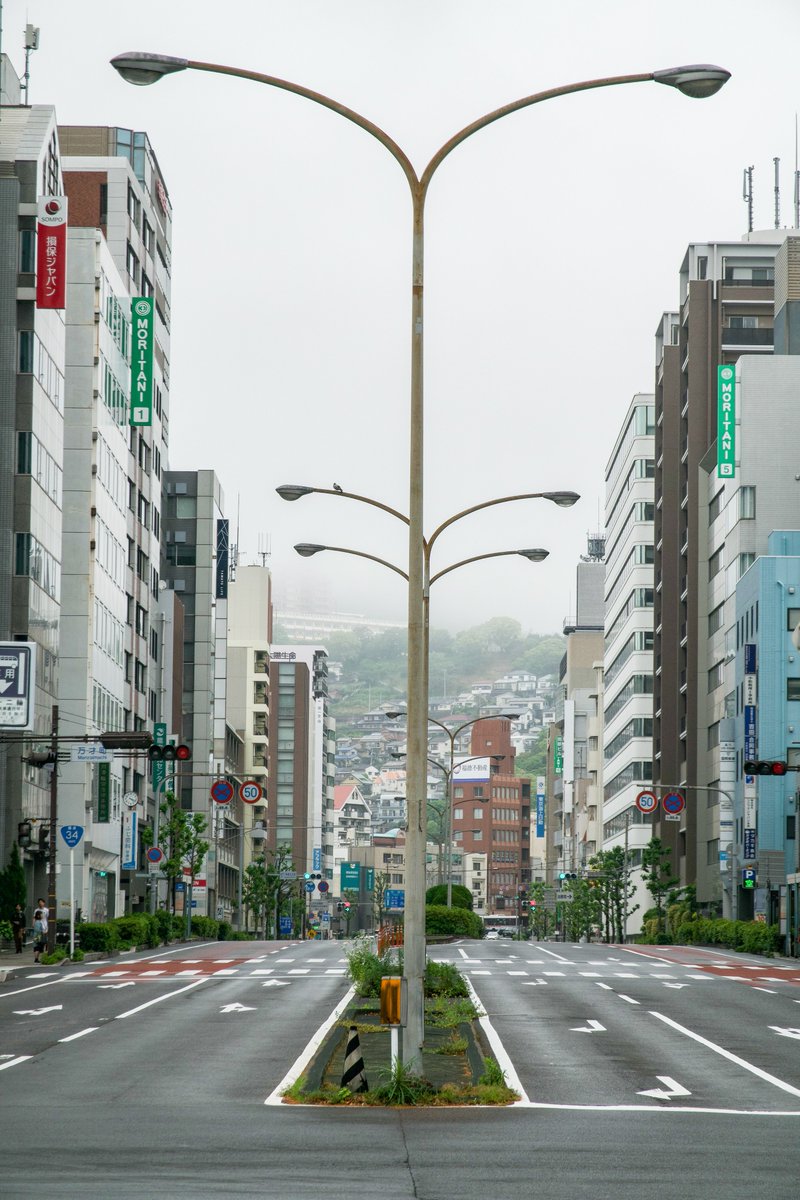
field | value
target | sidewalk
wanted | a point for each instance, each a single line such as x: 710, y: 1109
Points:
x: 10, y: 961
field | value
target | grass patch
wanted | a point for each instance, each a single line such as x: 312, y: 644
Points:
x: 446, y: 1013
x: 455, y: 1044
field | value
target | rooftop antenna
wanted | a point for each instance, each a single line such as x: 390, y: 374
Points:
x: 264, y: 548
x: 747, y: 196
x: 234, y: 551
x: 777, y: 164
x: 31, y: 43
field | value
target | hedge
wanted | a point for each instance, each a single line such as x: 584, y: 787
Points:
x: 752, y: 937
x: 442, y: 921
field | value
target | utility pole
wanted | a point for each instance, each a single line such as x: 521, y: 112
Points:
x: 51, y: 873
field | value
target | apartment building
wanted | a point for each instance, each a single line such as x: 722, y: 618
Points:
x: 627, y: 677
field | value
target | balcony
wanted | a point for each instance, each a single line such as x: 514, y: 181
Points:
x: 747, y: 338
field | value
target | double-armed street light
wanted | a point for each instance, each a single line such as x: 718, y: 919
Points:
x: 697, y: 81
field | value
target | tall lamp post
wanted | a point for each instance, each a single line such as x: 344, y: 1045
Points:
x: 696, y: 81
x: 453, y: 735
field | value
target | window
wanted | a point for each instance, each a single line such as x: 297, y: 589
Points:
x: 458, y: 814
x: 715, y: 563
x: 747, y: 503
x: 715, y: 506
x: 458, y: 793
x: 477, y: 813
x: 716, y: 676
x: 27, y: 251
x: 712, y: 852
x: 792, y: 618
x: 793, y: 689
x: 133, y: 265
x: 713, y: 735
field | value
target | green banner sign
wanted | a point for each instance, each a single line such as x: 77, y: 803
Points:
x: 103, y: 793
x: 369, y: 881
x: 142, y: 360
x: 160, y: 739
x: 726, y: 422
x: 558, y: 756
x: 350, y: 875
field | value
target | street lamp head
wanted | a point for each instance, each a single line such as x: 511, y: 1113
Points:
x: 697, y: 81
x: 293, y: 491
x: 534, y: 555
x: 562, y: 499
x: 394, y: 716
x: 308, y: 549
x: 142, y: 69
x: 510, y: 716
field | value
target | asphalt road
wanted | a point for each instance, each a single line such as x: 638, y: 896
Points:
x: 645, y: 1073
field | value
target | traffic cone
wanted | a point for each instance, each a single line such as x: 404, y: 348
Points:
x: 354, y: 1076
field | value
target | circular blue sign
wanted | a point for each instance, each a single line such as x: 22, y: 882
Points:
x: 309, y: 886
x: 673, y: 802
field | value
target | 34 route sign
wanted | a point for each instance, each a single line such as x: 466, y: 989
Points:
x: 647, y: 802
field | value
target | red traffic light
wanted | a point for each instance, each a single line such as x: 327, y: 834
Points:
x: 157, y: 754
x: 769, y: 767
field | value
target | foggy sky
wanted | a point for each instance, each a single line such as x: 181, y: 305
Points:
x: 554, y: 239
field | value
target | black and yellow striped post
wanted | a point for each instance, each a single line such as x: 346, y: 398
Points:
x: 354, y: 1076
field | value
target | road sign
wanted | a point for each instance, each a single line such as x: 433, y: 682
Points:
x: 749, y: 878
x: 221, y: 791
x: 285, y: 925
x: 563, y: 896
x: 316, y: 858
x: 673, y: 803
x: 323, y: 885
x: 647, y: 802
x: 285, y: 875
x: 72, y: 834
x: 91, y: 752
x: 154, y: 855
x: 250, y: 791
x: 310, y: 886
x: 549, y: 899
x: 394, y: 898
x: 350, y: 876
x: 17, y: 684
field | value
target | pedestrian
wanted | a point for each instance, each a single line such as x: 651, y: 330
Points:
x: 18, y: 924
x: 39, y: 931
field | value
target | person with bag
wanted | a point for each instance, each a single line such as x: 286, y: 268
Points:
x: 39, y: 932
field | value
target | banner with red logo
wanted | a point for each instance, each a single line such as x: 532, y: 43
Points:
x: 51, y: 252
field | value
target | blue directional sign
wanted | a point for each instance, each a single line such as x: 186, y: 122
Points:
x: 310, y: 886
x: 285, y: 926
x: 17, y: 680
x: 394, y: 898
x: 72, y: 834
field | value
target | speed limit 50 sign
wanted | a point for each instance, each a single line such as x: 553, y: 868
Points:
x: 250, y: 791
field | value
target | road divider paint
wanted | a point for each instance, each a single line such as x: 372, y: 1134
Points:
x: 734, y: 1058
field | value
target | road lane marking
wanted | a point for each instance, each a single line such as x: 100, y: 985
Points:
x: 335, y: 971
x: 670, y: 1090
x: 734, y: 1058
x: 500, y: 1055
x: 262, y: 971
x: 561, y: 973
x: 791, y: 1033
x: 227, y: 971
x: 132, y: 1011
x: 629, y: 999
x: 74, y: 1036
x: 15, y: 1062
x: 560, y: 957
x: 516, y: 972
x: 589, y: 974
x: 295, y: 1071
x: 540, y: 982
x: 626, y: 975
x: 769, y: 991
x: 480, y: 973
x: 148, y: 974
x: 590, y: 1027
x: 605, y: 986
x: 180, y: 974
x: 299, y: 971
x: 36, y: 1012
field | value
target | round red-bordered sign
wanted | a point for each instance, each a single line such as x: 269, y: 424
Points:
x: 673, y: 802
x: 221, y: 791
x: 250, y: 791
x: 647, y: 802
x: 154, y: 855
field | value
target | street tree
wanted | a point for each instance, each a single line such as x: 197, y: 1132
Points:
x: 181, y: 837
x: 614, y: 891
x: 383, y: 881
x: 658, y: 877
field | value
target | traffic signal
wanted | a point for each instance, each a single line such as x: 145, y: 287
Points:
x: 24, y: 834
x: 122, y: 740
x: 158, y: 754
x: 40, y: 758
x: 757, y: 767
x: 44, y: 837
x: 346, y: 905
x: 338, y: 906
x: 567, y: 874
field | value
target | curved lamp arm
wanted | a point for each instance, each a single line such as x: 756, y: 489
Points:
x: 307, y: 550
x: 562, y: 499
x: 540, y: 555
x: 294, y: 491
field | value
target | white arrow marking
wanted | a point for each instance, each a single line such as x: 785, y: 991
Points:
x: 533, y: 982
x: 792, y: 1033
x: 676, y: 985
x: 589, y: 1027
x: 106, y: 986
x: 36, y: 1012
x: 276, y: 983
x: 236, y: 1008
x: 675, y: 1089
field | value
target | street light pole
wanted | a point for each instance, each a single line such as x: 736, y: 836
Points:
x: 696, y: 81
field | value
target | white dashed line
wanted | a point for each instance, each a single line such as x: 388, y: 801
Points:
x: 630, y: 999
x: 74, y: 1036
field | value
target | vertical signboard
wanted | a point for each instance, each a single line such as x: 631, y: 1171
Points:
x: 558, y: 756
x: 540, y: 785
x: 221, y: 576
x: 130, y: 841
x: 103, y: 793
x: 159, y: 768
x: 51, y: 252
x: 17, y: 684
x: 142, y: 360
x: 750, y: 739
x: 726, y: 422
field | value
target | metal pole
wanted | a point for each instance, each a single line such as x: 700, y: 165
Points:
x: 51, y: 874
x: 241, y: 873
x: 71, y: 901
x: 625, y: 881
x: 449, y: 851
